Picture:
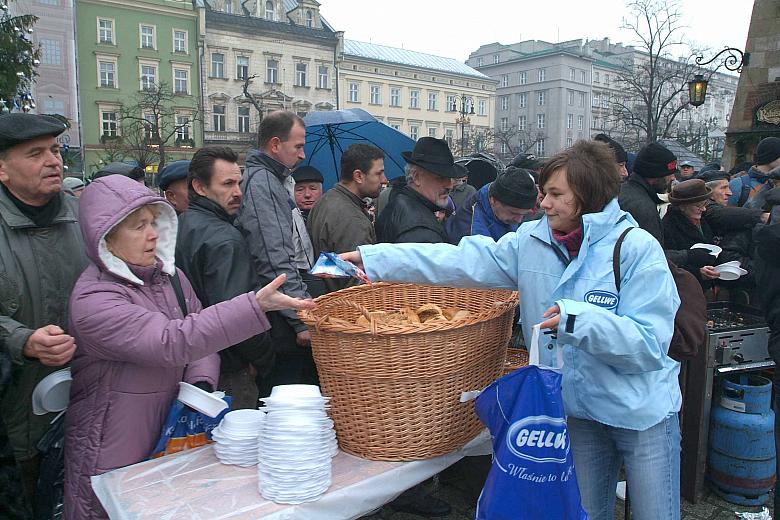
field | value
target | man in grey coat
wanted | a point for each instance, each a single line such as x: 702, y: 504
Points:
x: 278, y: 241
x: 41, y: 256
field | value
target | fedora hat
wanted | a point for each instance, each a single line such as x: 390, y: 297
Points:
x: 435, y: 156
x: 689, y: 192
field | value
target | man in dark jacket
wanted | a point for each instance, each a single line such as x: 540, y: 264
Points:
x: 653, y: 171
x: 765, y: 159
x: 340, y: 221
x: 41, y: 256
x: 215, y: 257
x: 410, y: 213
x: 277, y: 238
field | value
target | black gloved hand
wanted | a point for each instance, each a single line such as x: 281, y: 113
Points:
x: 203, y: 385
x: 700, y: 257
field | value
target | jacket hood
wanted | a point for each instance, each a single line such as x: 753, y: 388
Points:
x: 259, y: 158
x: 108, y: 201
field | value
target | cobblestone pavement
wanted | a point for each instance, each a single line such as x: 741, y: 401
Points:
x: 459, y: 486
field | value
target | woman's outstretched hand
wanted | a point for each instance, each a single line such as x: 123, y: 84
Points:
x: 271, y: 299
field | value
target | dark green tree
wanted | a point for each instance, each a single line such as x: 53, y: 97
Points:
x: 18, y: 58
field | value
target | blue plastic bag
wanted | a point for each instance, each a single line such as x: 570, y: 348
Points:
x: 185, y: 428
x: 532, y: 476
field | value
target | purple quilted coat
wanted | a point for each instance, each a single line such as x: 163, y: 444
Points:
x: 133, y: 344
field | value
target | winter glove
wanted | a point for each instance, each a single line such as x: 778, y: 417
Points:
x: 700, y: 257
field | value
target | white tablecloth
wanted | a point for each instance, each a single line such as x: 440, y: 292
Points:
x: 195, y: 485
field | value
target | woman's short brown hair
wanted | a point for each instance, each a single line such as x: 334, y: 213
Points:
x: 591, y: 171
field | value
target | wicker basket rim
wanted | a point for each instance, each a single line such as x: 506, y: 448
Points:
x: 320, y: 323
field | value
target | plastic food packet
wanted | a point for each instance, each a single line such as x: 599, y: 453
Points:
x: 329, y: 265
x: 184, y: 428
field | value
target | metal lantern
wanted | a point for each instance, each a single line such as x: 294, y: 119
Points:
x: 697, y: 90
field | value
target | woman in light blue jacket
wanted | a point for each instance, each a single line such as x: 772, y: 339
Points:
x: 620, y: 388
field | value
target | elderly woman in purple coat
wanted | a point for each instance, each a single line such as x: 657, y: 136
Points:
x: 134, y: 345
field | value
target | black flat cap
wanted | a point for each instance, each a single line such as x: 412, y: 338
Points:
x: 119, y: 168
x: 19, y: 127
x: 307, y: 174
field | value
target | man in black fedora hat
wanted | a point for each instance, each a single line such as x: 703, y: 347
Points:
x: 430, y: 173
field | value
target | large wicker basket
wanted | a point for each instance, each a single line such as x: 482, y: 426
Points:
x: 396, y: 388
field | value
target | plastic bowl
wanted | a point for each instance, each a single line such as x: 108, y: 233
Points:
x: 242, y: 421
x: 714, y: 250
x: 200, y: 400
x: 728, y: 272
x: 52, y: 393
x: 293, y: 391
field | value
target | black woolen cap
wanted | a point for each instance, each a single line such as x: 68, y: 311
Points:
x: 655, y: 161
x: 515, y: 187
x: 19, y: 127
x: 713, y: 175
x: 767, y: 150
x: 620, y: 152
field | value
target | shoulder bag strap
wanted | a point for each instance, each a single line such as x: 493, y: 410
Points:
x: 616, y: 257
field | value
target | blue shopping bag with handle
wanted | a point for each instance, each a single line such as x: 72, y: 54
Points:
x: 532, y: 475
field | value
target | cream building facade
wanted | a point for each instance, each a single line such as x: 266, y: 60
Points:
x: 287, y: 49
x: 416, y: 93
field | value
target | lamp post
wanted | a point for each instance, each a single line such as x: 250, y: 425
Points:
x: 466, y: 109
x: 697, y: 87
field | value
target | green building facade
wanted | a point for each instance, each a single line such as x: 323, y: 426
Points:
x: 139, y: 81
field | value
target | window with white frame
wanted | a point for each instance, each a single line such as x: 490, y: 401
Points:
x: 148, y: 76
x: 596, y: 100
x: 322, y: 77
x: 521, y: 144
x: 569, y: 142
x: 582, y: 76
x: 395, y: 126
x: 300, y: 74
x: 480, y: 62
x: 580, y: 122
x: 432, y: 99
x: 431, y: 132
x: 228, y: 8
x: 504, y: 148
x: 504, y: 102
x: 569, y: 121
x: 105, y: 31
x: 450, y: 104
x: 243, y: 120
x: 541, y: 75
x: 594, y: 124
x: 504, y: 80
x: 108, y: 123
x: 596, y: 77
x: 269, y: 11
x: 539, y: 121
x: 180, y: 41
x: 148, y: 37
x: 540, y: 147
x: 181, y: 81
x: 309, y: 18
x: 414, y: 99
x: 522, y: 123
x: 272, y: 71
x: 496, y: 58
x: 571, y: 97
x: 374, y: 95
x: 504, y: 124
x: 218, y: 118
x: 217, y: 65
x: 242, y: 67
x: 604, y: 101
x: 353, y: 92
x: 395, y: 96
x: 414, y: 132
x: 150, y: 126
x: 107, y: 73
x: 183, y: 125
x: 523, y: 78
x: 541, y: 98
x: 522, y: 99
x: 481, y: 107
x: 51, y: 51
x: 582, y: 99
x: 572, y: 74
x: 606, y: 79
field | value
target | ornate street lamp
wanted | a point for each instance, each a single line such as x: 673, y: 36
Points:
x: 466, y: 109
x: 697, y: 87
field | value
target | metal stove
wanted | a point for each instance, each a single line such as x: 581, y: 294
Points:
x: 737, y: 341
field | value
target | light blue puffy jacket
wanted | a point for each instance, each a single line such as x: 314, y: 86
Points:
x: 615, y: 370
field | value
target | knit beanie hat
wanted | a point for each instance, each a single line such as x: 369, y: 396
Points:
x: 620, y: 152
x: 767, y: 150
x: 655, y: 161
x: 515, y: 187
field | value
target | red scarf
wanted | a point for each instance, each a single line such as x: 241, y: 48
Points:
x: 572, y: 240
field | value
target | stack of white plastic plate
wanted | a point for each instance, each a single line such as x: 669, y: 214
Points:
x: 296, y: 444
x: 237, y: 436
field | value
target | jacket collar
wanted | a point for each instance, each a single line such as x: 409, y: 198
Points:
x: 261, y: 158
x: 638, y: 180
x: 340, y: 188
x: 206, y: 205
x: 18, y: 220
x: 756, y: 174
x: 412, y: 194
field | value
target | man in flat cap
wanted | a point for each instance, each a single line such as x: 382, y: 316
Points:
x: 687, y: 170
x: 172, y: 181
x: 41, y: 256
x: 497, y: 208
x: 430, y: 173
x: 132, y: 171
x: 308, y: 188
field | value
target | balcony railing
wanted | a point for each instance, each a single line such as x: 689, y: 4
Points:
x: 240, y: 137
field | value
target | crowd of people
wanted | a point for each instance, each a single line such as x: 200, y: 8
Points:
x: 198, y: 279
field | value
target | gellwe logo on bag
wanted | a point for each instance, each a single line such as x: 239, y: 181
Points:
x: 603, y: 299
x: 538, y: 439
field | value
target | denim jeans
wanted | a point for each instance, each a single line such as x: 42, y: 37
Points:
x: 652, y: 462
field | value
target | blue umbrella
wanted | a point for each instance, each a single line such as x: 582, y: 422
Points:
x: 329, y: 133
